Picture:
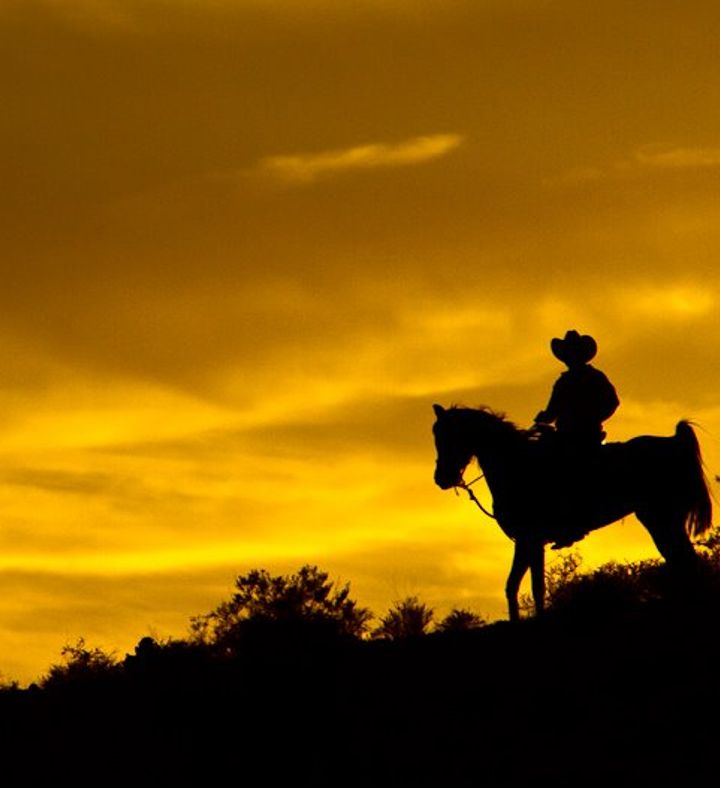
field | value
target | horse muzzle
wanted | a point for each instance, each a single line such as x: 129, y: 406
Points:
x: 445, y: 480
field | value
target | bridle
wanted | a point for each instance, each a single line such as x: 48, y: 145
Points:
x: 467, y: 486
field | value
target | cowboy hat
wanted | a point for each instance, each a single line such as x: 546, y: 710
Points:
x: 574, y: 348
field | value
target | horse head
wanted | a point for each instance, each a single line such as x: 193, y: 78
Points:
x: 452, y: 445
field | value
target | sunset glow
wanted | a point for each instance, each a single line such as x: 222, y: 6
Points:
x: 247, y: 244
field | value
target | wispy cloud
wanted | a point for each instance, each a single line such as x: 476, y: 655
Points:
x: 668, y: 302
x: 309, y: 166
x: 679, y: 158
x: 648, y: 160
x: 50, y: 480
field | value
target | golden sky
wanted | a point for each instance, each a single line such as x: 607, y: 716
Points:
x: 246, y: 244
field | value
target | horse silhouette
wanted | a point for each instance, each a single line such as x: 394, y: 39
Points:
x: 540, y: 495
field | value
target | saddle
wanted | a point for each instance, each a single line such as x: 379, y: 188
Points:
x: 564, y: 473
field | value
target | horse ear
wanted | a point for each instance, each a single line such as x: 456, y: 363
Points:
x: 439, y: 410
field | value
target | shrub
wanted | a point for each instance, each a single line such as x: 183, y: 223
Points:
x: 306, y: 599
x: 461, y: 620
x: 407, y: 618
x: 81, y: 664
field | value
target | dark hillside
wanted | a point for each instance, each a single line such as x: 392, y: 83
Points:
x: 608, y: 689
x: 619, y: 704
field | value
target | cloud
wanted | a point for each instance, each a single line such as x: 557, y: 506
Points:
x: 669, y: 302
x: 679, y: 158
x: 52, y: 480
x: 646, y: 161
x: 308, y: 167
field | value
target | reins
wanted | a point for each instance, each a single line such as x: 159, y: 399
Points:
x: 467, y: 487
x: 535, y: 434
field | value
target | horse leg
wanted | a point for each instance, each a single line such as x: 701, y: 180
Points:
x: 671, y: 539
x: 537, y: 575
x: 520, y: 565
x: 669, y: 535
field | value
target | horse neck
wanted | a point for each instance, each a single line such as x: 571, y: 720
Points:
x: 493, y: 449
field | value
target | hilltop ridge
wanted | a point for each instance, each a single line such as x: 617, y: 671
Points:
x: 596, y: 702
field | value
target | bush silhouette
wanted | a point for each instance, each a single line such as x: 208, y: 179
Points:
x: 460, y: 620
x: 81, y: 665
x: 306, y: 600
x: 613, y: 699
x: 617, y: 589
x: 611, y: 590
x: 407, y: 618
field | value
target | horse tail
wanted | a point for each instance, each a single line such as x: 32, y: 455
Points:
x: 698, y: 518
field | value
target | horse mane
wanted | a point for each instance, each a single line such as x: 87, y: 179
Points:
x: 498, y: 419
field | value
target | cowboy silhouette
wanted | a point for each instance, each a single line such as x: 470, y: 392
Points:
x: 581, y: 400
x: 582, y: 397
